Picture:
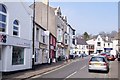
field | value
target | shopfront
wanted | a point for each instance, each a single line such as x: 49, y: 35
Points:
x: 16, y: 54
x: 52, y: 47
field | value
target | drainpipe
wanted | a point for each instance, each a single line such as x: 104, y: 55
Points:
x: 33, y: 34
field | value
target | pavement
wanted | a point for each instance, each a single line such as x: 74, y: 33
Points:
x: 40, y: 69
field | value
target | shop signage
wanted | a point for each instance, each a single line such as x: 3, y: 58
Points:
x: 3, y: 38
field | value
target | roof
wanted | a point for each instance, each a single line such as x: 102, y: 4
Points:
x: 81, y: 41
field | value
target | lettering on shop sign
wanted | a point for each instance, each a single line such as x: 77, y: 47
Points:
x: 3, y: 38
x: 23, y: 44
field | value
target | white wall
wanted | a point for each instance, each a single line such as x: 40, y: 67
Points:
x: 7, y: 61
x: 17, y: 10
x: 115, y: 43
x: 102, y: 44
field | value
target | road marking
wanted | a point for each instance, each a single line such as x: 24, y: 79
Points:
x: 71, y: 75
x: 56, y: 69
x: 52, y: 70
x: 82, y: 67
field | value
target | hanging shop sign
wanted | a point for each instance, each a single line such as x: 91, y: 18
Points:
x: 3, y: 38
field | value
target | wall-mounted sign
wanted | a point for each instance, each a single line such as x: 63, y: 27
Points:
x: 3, y: 38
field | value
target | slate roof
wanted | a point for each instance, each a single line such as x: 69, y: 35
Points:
x: 81, y: 41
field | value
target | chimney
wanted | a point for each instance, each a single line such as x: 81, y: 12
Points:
x: 45, y: 2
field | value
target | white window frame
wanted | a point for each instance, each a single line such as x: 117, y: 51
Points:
x: 5, y: 14
x: 18, y: 26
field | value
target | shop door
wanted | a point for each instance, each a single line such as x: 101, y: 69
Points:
x: 0, y: 62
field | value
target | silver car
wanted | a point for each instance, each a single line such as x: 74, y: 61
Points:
x: 98, y: 63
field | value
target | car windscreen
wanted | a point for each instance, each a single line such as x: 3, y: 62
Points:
x: 98, y: 59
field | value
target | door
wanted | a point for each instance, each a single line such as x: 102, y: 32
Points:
x: 0, y: 62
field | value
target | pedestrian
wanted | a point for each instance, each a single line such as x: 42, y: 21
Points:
x: 82, y: 55
x: 66, y: 59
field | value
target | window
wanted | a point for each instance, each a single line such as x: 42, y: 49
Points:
x: 16, y: 28
x: 98, y: 44
x: 36, y: 55
x: 99, y: 59
x: 3, y: 15
x: 65, y: 41
x: 37, y: 34
x: 73, y: 32
x: 65, y: 38
x: 17, y: 55
x: 73, y: 41
x: 108, y: 44
x: 43, y: 39
x: 98, y: 39
x: 0, y: 52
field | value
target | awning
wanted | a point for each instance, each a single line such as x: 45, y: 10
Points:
x: 108, y: 48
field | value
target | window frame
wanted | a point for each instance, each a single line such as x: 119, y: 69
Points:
x: 17, y: 26
x: 13, y: 56
x: 98, y: 44
x: 3, y: 22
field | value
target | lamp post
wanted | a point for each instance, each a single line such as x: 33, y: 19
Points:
x: 33, y: 36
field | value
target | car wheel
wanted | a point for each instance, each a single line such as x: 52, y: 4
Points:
x: 107, y: 70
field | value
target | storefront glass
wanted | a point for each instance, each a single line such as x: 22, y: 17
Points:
x: 17, y: 55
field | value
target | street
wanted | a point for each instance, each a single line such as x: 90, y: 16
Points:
x: 79, y: 69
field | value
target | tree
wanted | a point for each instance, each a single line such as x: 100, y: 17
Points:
x: 86, y: 36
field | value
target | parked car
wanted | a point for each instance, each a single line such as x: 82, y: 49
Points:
x: 110, y: 57
x: 118, y: 56
x: 72, y: 56
x: 79, y: 55
x: 84, y: 55
x: 98, y: 63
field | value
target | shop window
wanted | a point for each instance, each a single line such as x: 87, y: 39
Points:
x: 17, y: 55
x: 36, y: 55
x: 3, y: 16
x: 16, y: 28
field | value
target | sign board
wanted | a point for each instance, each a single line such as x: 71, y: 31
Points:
x: 3, y: 38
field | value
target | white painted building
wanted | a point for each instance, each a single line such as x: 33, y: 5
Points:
x: 61, y: 24
x: 103, y: 44
x: 72, y: 38
x: 15, y: 36
x: 115, y: 45
x: 81, y: 47
x: 41, y: 45
x: 91, y: 46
